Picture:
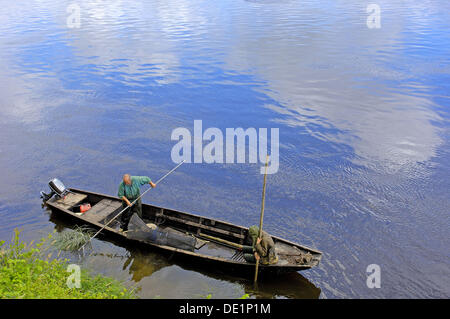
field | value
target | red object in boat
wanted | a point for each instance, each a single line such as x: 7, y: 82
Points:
x: 85, y: 208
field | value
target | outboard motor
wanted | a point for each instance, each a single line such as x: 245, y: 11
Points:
x: 56, y: 188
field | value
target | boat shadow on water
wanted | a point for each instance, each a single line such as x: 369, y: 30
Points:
x: 142, y: 262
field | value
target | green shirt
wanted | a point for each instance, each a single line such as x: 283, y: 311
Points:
x: 132, y: 191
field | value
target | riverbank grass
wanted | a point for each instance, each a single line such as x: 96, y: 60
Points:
x: 27, y: 271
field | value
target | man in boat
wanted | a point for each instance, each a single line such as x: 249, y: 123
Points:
x: 262, y: 249
x: 129, y: 190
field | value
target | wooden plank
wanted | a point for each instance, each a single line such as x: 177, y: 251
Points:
x: 70, y: 200
x: 102, y: 209
x: 284, y: 249
x: 217, y: 230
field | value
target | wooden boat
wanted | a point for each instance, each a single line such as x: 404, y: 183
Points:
x: 217, y: 240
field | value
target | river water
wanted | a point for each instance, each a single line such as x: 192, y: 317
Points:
x: 363, y: 119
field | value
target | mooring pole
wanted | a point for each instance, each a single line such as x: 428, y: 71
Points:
x: 262, y: 215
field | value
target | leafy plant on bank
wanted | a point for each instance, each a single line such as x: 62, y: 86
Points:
x: 26, y: 271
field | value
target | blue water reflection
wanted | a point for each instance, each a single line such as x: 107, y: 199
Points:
x: 363, y: 117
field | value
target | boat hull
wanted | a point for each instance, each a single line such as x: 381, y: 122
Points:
x: 191, y: 223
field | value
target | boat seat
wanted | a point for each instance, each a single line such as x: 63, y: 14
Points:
x: 199, y: 225
x: 70, y: 200
x: 284, y: 249
x: 102, y: 209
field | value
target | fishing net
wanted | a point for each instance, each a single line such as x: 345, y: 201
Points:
x: 137, y: 229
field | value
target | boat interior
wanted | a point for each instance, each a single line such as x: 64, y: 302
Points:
x: 214, y: 238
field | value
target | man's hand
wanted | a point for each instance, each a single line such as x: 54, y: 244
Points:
x: 256, y: 256
x: 153, y: 185
x: 126, y: 200
x: 258, y: 240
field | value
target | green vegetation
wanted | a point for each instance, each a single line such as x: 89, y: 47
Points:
x: 74, y: 239
x: 26, y: 271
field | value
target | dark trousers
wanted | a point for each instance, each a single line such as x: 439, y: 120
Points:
x: 126, y: 215
x: 249, y: 254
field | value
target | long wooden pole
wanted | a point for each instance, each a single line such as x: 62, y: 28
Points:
x: 220, y: 240
x: 262, y: 214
